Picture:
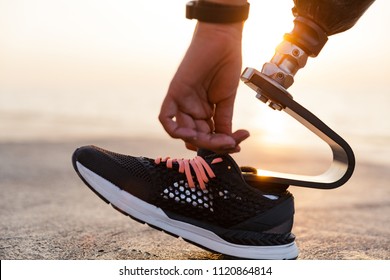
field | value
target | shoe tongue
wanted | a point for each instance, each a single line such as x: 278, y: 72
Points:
x: 204, y: 153
x: 227, y: 160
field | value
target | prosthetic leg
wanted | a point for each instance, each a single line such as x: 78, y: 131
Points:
x: 314, y: 22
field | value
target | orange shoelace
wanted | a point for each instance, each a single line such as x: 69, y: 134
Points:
x: 198, y: 164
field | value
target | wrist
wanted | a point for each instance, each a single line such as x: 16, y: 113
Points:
x: 230, y: 30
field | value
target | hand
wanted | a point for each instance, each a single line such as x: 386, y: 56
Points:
x: 198, y: 107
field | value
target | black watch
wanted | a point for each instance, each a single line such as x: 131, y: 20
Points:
x: 216, y: 13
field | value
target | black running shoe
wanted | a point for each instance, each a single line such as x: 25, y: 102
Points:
x: 204, y: 200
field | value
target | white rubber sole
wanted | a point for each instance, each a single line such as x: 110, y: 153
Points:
x: 153, y: 215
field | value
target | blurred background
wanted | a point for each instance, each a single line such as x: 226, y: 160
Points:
x: 77, y: 72
x: 100, y: 69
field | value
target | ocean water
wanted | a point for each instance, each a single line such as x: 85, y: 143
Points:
x: 59, y: 116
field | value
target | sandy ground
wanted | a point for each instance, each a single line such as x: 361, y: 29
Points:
x: 46, y: 212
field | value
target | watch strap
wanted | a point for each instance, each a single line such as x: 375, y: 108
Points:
x: 216, y: 13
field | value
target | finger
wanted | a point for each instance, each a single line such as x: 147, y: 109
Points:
x: 219, y: 143
x: 176, y: 131
x: 204, y: 126
x: 223, y: 116
x: 206, y: 139
x: 240, y: 135
x: 191, y: 147
x: 174, y: 123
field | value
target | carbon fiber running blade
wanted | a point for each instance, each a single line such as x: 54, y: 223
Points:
x: 343, y: 163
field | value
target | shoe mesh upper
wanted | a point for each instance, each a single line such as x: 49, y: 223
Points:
x: 131, y: 164
x: 226, y: 201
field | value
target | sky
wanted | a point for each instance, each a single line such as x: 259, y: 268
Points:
x: 102, y: 67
